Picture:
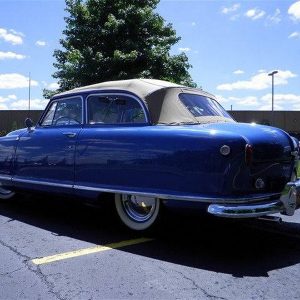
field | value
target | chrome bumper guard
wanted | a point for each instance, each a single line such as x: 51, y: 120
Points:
x: 286, y: 204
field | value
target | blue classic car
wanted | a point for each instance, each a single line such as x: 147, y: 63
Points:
x: 146, y: 143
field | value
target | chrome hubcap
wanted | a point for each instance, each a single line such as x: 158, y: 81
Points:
x: 5, y: 194
x: 4, y: 191
x: 138, y: 208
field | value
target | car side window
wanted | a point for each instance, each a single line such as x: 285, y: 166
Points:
x: 114, y: 110
x: 48, y: 119
x: 64, y: 112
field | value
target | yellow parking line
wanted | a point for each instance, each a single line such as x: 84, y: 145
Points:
x: 81, y: 252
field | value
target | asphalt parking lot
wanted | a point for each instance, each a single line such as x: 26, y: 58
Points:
x: 59, y: 249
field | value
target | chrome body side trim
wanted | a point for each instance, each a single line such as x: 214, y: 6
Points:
x: 241, y: 207
x: 146, y: 194
x: 70, y: 186
x: 246, y: 199
x: 5, y: 177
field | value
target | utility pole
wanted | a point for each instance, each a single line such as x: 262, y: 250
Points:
x: 272, y: 75
x: 29, y: 92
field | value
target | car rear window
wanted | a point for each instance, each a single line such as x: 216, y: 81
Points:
x: 200, y: 105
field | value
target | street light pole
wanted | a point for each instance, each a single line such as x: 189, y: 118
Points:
x: 29, y: 91
x: 272, y: 74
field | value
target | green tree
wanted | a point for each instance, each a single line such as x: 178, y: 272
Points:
x: 47, y: 94
x: 121, y: 39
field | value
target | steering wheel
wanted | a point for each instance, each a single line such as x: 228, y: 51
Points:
x: 68, y: 120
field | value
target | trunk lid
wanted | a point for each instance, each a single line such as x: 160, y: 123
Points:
x: 269, y: 143
x: 272, y: 160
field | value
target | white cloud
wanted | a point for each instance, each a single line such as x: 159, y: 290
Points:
x: 2, y: 99
x: 295, y: 34
x: 14, y: 80
x: 269, y: 107
x: 17, y: 32
x: 291, y: 101
x: 230, y: 9
x: 295, y: 106
x: 294, y: 10
x: 275, y: 18
x: 255, y: 14
x: 282, y: 98
x: 11, y: 36
x: 281, y: 102
x: 21, y: 104
x: 53, y: 86
x: 6, y: 99
x: 259, y: 81
x: 40, y: 43
x: 11, y: 102
x: 222, y: 99
x: 3, y: 106
x: 14, y: 97
x: 184, y: 49
x: 238, y: 72
x: 11, y: 55
x: 243, y: 101
x: 194, y: 24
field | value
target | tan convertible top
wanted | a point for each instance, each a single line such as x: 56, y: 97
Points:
x: 161, y: 98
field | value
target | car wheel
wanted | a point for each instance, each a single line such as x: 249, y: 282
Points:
x: 6, y: 194
x: 137, y: 212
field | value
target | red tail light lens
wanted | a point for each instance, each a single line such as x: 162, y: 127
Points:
x: 248, y: 154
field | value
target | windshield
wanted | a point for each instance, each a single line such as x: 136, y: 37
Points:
x: 201, y: 106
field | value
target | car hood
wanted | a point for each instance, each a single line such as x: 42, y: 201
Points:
x: 18, y: 132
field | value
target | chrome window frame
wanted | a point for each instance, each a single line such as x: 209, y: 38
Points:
x: 147, y: 121
x: 62, y: 99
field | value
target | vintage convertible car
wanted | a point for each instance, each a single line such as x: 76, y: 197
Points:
x: 149, y: 143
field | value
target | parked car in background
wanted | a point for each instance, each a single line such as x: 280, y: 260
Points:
x: 147, y: 143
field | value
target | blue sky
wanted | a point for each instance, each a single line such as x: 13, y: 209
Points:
x: 232, y: 45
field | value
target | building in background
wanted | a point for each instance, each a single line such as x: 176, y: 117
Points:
x: 286, y: 120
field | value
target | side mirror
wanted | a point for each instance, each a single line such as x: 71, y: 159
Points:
x: 28, y: 123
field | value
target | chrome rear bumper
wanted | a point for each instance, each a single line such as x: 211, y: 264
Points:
x: 285, y: 204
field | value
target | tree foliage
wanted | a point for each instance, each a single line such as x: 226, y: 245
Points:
x: 120, y: 39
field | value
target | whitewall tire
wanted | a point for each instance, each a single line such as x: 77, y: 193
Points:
x: 137, y: 212
x: 6, y: 194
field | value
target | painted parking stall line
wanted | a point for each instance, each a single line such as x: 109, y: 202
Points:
x: 86, y: 251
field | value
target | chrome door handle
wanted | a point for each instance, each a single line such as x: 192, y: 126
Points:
x: 69, y: 134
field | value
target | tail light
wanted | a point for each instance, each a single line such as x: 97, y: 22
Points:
x: 248, y: 154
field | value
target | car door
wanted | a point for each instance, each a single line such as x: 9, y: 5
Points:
x: 106, y: 147
x: 45, y: 155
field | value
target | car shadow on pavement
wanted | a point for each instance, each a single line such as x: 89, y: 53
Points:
x: 239, y: 248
